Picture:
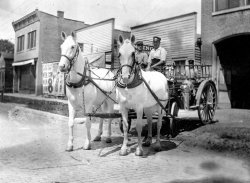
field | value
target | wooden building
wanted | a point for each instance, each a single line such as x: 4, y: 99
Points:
x: 99, y: 43
x: 6, y: 71
x: 178, y: 36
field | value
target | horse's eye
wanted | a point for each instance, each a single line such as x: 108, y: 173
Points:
x: 72, y: 47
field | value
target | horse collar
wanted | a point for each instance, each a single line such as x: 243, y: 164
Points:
x: 85, y: 80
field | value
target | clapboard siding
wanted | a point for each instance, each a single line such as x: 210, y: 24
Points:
x: 178, y: 35
x: 99, y: 36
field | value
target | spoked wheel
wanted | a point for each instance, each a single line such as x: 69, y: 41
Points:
x: 207, y: 103
x: 121, y: 125
x: 172, y: 121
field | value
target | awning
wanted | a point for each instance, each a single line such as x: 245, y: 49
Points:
x: 24, y: 62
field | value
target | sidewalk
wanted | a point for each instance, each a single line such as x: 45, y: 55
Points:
x: 53, y: 105
x: 60, y: 106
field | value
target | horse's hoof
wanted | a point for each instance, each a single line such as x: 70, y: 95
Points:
x: 97, y: 138
x: 138, y: 152
x: 69, y: 148
x: 147, y: 142
x: 123, y: 152
x: 87, y: 147
x: 108, y: 140
x: 157, y: 147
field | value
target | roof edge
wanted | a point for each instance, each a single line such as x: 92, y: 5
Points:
x: 158, y: 21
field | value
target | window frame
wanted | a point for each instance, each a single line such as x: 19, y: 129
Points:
x: 215, y: 4
x: 246, y: 5
x: 20, y: 43
x: 31, y: 40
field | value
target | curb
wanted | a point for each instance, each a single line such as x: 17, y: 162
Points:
x: 44, y: 116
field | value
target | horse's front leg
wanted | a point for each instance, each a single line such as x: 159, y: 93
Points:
x: 72, y: 114
x: 157, y: 146
x: 100, y: 131
x: 148, y: 140
x: 139, y: 113
x: 124, y: 148
x: 108, y: 139
x: 87, y: 144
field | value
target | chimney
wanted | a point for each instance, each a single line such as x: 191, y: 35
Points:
x: 60, y: 14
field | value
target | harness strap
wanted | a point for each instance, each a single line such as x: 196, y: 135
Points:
x: 84, y: 81
x: 104, y: 92
x: 135, y: 82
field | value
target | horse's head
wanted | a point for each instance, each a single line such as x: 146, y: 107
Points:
x: 69, y: 52
x: 126, y: 57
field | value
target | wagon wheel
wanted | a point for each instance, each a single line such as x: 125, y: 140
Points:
x: 172, y: 121
x: 207, y: 103
x: 121, y: 125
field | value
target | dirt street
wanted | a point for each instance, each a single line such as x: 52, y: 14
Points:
x: 32, y: 147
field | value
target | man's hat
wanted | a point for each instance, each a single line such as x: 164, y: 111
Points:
x: 156, y: 38
x: 139, y: 43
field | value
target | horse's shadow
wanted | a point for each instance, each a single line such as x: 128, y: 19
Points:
x: 107, y: 149
x: 181, y: 125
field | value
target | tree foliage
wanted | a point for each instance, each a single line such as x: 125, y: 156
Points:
x: 6, y: 46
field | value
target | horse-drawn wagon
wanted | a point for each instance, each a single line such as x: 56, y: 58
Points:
x: 146, y: 92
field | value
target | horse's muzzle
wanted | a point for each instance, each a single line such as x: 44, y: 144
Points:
x: 62, y: 68
x: 125, y: 80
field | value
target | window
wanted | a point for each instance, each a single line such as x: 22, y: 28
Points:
x: 31, y: 39
x: 20, y: 43
x: 81, y: 46
x: 228, y: 4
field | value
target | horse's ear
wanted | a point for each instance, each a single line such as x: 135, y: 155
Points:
x: 120, y: 39
x: 132, y: 39
x: 63, y: 35
x: 73, y: 35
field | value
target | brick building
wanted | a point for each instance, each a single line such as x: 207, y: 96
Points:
x: 37, y: 41
x: 225, y: 31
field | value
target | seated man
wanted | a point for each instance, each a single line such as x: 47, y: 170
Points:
x: 140, y: 56
x: 157, y: 56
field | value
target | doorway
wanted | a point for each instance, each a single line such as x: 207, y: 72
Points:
x: 234, y: 58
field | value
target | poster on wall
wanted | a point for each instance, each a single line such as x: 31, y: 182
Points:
x: 53, y: 81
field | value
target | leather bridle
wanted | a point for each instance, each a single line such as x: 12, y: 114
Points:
x: 73, y: 59
x: 132, y: 66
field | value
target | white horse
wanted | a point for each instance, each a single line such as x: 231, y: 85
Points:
x: 132, y: 93
x: 81, y: 93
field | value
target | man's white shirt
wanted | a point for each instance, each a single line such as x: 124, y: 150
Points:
x: 159, y: 53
